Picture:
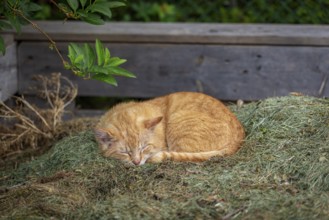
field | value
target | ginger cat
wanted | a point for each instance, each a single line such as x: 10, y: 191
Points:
x: 183, y: 126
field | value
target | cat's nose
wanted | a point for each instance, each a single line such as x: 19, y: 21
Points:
x: 136, y: 162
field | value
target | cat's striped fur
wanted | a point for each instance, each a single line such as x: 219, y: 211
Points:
x: 183, y: 126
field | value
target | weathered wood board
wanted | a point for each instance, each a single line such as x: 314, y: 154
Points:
x: 229, y: 61
x: 228, y: 72
x: 8, y: 69
x: 191, y: 33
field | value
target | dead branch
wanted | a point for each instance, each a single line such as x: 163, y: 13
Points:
x: 31, y: 125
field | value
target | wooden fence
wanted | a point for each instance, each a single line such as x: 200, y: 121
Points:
x: 228, y: 61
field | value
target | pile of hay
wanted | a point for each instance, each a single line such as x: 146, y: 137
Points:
x: 282, y: 172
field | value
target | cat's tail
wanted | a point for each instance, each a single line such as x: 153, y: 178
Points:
x: 186, y: 156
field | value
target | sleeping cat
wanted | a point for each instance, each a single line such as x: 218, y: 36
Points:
x: 183, y: 126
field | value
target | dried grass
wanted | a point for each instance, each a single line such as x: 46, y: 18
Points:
x: 28, y: 130
x: 282, y: 172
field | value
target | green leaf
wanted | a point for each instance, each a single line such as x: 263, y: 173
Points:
x: 79, y: 73
x: 121, y: 72
x: 74, y: 4
x: 98, y: 69
x: 107, y: 57
x: 89, y: 55
x: 72, y: 53
x: 4, y: 25
x: 75, y: 52
x: 67, y: 66
x: 101, y: 8
x: 2, y: 46
x: 116, y: 61
x: 78, y: 59
x: 76, y: 48
x: 91, y: 18
x: 82, y: 13
x: 12, y: 2
x: 71, y: 57
x: 83, y: 2
x: 34, y: 7
x: 105, y: 78
x: 64, y: 7
x: 14, y: 21
x: 115, y: 4
x: 100, y: 52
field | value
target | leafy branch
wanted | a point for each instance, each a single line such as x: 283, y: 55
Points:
x: 96, y: 63
x: 90, y: 11
x: 84, y: 60
x: 35, y: 26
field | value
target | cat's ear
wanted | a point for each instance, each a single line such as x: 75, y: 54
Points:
x: 151, y: 123
x: 102, y: 136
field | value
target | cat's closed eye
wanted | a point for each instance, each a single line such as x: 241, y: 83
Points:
x: 110, y: 143
x: 145, y: 147
x: 125, y: 152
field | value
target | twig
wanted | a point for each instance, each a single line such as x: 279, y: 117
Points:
x: 6, y: 116
x: 9, y: 135
x: 31, y: 127
x: 47, y: 93
x: 199, y: 86
x: 232, y: 214
x: 19, y: 136
x: 24, y: 119
x: 323, y: 85
x: 59, y: 107
x: 74, y: 92
x: 68, y: 14
x: 35, y: 26
x: 21, y: 117
x: 34, y: 110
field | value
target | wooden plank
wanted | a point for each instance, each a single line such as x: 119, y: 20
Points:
x: 226, y: 72
x: 194, y: 33
x: 88, y: 113
x: 8, y: 38
x: 8, y: 70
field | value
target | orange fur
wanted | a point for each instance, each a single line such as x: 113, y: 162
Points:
x: 183, y: 126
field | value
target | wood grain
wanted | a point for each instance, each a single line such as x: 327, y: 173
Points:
x: 191, y: 33
x: 226, y: 72
x: 8, y: 70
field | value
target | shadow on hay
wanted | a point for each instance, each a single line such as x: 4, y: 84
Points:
x: 281, y: 172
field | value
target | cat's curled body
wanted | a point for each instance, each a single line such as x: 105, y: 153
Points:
x: 183, y: 126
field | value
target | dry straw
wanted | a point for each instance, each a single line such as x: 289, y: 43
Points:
x: 282, y: 172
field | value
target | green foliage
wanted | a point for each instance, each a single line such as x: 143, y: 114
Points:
x: 2, y: 46
x: 44, y: 13
x: 11, y: 10
x: 84, y: 60
x: 94, y: 12
x: 96, y: 63
x: 229, y: 11
x: 147, y: 11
